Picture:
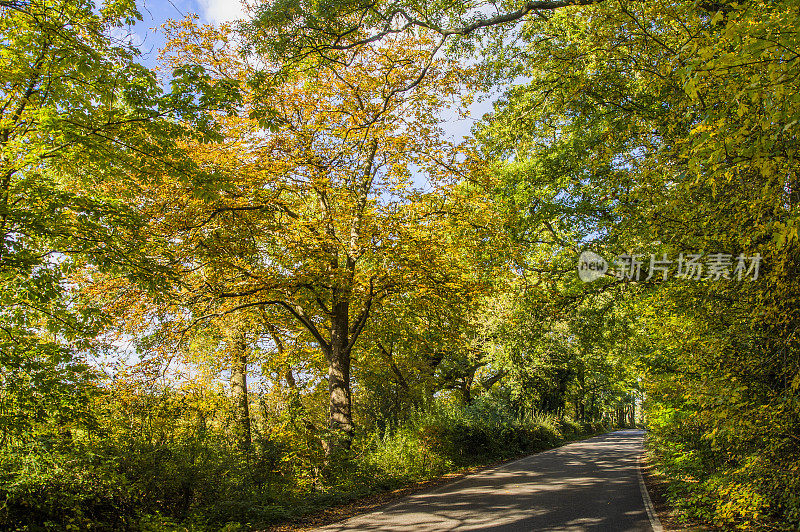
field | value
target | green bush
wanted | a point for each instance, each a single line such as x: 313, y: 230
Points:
x: 444, y: 437
x: 569, y: 428
x: 720, y: 480
x: 48, y: 491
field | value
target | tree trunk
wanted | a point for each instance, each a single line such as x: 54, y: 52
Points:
x: 340, y: 419
x: 582, y: 399
x: 241, y: 410
x: 466, y: 392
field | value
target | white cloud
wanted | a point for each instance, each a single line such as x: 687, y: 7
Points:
x: 126, y: 36
x: 217, y: 11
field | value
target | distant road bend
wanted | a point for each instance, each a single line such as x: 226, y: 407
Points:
x: 594, y: 484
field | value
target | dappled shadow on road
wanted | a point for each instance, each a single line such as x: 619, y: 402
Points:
x: 588, y: 485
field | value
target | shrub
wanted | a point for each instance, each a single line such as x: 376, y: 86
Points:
x: 40, y: 491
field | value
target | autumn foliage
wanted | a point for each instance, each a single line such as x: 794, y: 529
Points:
x: 263, y: 277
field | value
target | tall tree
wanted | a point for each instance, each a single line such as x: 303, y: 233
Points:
x: 75, y: 111
x: 313, y: 210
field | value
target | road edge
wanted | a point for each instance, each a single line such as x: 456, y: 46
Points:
x: 387, y: 499
x: 655, y: 522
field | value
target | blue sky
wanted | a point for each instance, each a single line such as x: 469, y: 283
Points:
x: 156, y: 12
x: 147, y: 36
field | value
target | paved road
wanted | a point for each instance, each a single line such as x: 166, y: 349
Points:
x: 588, y: 485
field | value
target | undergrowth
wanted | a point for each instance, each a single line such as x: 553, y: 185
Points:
x: 190, y: 480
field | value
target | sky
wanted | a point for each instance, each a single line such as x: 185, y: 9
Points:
x: 147, y: 37
x: 154, y: 12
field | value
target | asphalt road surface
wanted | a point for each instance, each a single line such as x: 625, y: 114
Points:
x: 587, y: 485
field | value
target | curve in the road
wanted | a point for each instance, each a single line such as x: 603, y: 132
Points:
x: 587, y: 485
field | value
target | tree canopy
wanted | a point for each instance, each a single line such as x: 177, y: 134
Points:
x: 262, y: 276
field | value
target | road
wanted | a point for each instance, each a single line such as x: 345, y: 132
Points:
x: 587, y: 485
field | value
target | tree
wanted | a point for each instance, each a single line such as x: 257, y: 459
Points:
x: 668, y: 128
x: 313, y: 210
x: 75, y: 108
x: 300, y: 30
